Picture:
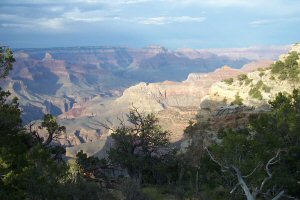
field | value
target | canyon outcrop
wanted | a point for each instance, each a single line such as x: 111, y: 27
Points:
x: 86, y: 86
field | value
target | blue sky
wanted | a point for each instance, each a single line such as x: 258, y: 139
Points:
x: 139, y: 23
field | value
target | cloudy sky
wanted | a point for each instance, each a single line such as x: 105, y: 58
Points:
x: 139, y: 23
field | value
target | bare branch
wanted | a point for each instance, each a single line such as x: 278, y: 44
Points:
x: 278, y: 196
x: 242, y: 183
x: 267, y: 168
x: 213, y: 159
x: 106, y: 126
x: 246, y: 176
x: 235, y: 187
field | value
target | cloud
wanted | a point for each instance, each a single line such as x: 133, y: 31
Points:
x: 216, y: 3
x: 90, y: 16
x: 261, y: 22
x: 14, y: 25
x: 169, y: 20
x: 53, y: 23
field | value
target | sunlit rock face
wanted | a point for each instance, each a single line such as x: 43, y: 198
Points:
x: 66, y: 76
x: 86, y: 87
x: 174, y: 103
x: 218, y: 106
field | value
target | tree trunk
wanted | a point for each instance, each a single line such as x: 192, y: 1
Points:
x: 197, y: 181
x: 180, y: 176
x: 243, y: 184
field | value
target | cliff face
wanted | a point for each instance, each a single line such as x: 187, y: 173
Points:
x: 254, y: 90
x: 53, y: 80
x: 84, y: 86
x: 174, y: 103
x: 264, y: 81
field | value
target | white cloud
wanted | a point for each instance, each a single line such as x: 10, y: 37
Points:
x: 52, y: 23
x: 262, y: 22
x: 169, y: 20
x: 216, y: 3
x: 14, y: 25
x: 90, y: 16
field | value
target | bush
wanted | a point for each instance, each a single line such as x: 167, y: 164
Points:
x: 277, y: 67
x: 242, y: 77
x: 283, y: 75
x: 291, y: 60
x: 152, y: 193
x: 248, y: 81
x: 259, y: 84
x: 238, y: 100
x: 288, y: 70
x: 266, y: 88
x: 229, y: 81
x: 255, y: 93
x: 261, y: 74
x: 132, y: 191
x: 261, y: 69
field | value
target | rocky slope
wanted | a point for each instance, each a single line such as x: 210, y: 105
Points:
x: 54, y: 79
x: 175, y: 103
x: 84, y: 85
x: 219, y: 108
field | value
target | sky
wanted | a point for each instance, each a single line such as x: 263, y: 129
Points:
x: 140, y: 23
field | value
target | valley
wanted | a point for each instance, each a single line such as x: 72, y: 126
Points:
x: 87, y: 87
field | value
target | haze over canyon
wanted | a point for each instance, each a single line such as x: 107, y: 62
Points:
x: 87, y: 87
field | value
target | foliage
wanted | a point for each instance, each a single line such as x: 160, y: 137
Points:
x: 52, y: 127
x: 29, y: 169
x: 242, y: 77
x: 238, y: 100
x: 152, y: 193
x: 272, y: 78
x: 255, y: 91
x: 6, y: 61
x: 289, y: 69
x: 248, y: 81
x: 261, y: 74
x: 277, y: 67
x: 132, y: 190
x: 229, y: 81
x: 251, y: 151
x: 266, y: 88
x: 142, y: 148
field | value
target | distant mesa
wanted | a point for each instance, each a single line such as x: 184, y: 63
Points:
x: 48, y: 56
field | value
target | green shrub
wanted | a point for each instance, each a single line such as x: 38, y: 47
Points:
x: 294, y: 73
x: 255, y: 93
x: 283, y: 75
x: 288, y: 70
x: 261, y: 69
x: 238, y: 100
x: 277, y: 67
x: 266, y: 88
x: 291, y: 60
x: 131, y: 190
x: 248, y: 81
x: 229, y: 81
x: 242, y: 77
x: 152, y: 193
x: 261, y: 74
x: 259, y: 84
